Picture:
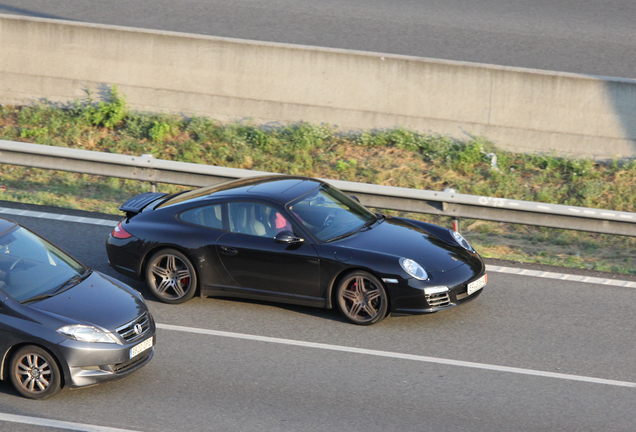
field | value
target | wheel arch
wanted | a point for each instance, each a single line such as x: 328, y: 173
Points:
x: 154, y: 249
x: 6, y: 361
x: 331, y: 297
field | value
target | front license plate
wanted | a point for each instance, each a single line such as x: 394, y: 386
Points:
x: 138, y: 349
x: 477, y: 285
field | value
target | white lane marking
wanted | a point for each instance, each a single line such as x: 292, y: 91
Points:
x: 56, y: 216
x: 491, y: 268
x: 400, y: 356
x: 37, y: 421
x: 561, y: 276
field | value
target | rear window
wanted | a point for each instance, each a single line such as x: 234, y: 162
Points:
x: 208, y: 216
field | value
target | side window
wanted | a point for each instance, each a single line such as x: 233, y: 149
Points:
x: 207, y: 216
x: 256, y: 219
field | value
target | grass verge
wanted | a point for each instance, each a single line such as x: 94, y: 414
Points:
x: 396, y: 157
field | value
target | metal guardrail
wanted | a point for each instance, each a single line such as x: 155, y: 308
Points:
x: 455, y: 205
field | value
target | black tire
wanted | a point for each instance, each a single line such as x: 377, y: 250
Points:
x: 34, y: 373
x: 361, y: 298
x: 171, y: 276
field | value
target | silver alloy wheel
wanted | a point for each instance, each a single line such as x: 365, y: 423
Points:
x: 35, y: 373
x: 170, y: 276
x: 362, y: 299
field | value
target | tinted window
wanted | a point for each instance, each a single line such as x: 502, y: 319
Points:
x: 207, y: 216
x: 256, y: 219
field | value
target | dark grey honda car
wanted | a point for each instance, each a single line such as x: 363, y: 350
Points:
x: 63, y: 324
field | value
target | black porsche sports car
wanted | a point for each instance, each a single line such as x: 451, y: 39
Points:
x: 63, y: 324
x: 295, y: 240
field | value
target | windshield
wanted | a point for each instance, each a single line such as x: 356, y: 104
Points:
x: 30, y: 266
x: 329, y: 214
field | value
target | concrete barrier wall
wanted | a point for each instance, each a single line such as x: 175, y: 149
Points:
x: 520, y: 110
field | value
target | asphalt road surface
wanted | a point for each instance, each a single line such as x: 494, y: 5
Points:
x: 530, y: 354
x: 581, y: 36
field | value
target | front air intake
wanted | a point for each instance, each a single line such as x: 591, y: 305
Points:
x: 438, y: 300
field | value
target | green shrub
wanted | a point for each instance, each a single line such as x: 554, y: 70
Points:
x: 107, y: 114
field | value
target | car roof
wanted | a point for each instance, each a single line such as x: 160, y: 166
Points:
x: 279, y: 188
x: 283, y: 188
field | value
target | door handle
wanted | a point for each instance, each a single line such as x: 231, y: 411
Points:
x: 225, y: 250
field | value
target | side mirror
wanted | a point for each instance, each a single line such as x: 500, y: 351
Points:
x: 287, y: 237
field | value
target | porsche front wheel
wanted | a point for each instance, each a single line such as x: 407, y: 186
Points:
x: 362, y: 298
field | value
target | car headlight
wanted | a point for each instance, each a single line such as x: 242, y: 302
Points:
x: 461, y: 240
x: 85, y: 333
x: 413, y: 269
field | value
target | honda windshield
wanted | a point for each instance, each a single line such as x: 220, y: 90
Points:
x: 31, y: 267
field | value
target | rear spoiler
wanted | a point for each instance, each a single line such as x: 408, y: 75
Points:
x: 136, y: 204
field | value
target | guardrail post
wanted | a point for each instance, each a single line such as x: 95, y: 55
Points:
x: 456, y: 219
x: 456, y: 224
x: 153, y: 185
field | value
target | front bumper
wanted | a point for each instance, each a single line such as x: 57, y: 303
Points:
x: 82, y: 376
x: 408, y: 296
x: 93, y: 363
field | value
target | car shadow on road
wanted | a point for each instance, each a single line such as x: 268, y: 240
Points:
x: 7, y: 388
x: 327, y: 314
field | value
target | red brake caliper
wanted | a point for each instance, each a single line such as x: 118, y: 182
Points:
x: 353, y: 288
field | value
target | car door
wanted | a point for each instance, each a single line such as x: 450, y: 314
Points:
x: 262, y: 266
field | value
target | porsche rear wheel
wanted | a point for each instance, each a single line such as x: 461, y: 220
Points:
x: 171, y: 276
x: 362, y: 298
x: 34, y: 373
